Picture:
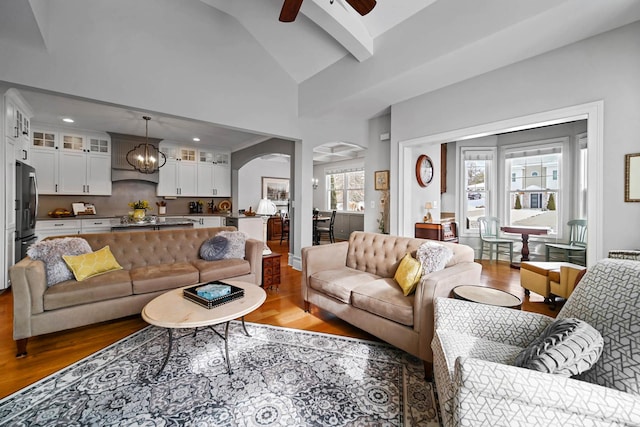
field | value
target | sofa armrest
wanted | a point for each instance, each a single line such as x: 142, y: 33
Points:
x: 28, y: 284
x: 253, y: 253
x: 432, y: 286
x: 501, y: 324
x: 320, y: 258
x: 542, y: 393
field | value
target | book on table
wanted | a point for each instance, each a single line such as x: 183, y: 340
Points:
x: 213, y: 294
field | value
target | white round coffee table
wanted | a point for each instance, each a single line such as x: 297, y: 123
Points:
x: 485, y: 295
x: 172, y: 311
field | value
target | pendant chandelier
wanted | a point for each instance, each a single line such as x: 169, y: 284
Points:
x: 146, y: 157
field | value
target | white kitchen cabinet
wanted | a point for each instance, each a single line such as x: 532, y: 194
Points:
x: 214, y: 174
x: 57, y: 227
x: 10, y: 250
x: 10, y: 185
x: 95, y: 225
x: 73, y: 164
x: 206, y: 221
x: 179, y: 176
x: 17, y: 124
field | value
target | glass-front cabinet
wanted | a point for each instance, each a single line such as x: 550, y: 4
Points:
x: 71, y: 163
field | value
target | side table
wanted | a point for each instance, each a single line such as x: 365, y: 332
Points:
x: 271, y: 270
x: 485, y: 295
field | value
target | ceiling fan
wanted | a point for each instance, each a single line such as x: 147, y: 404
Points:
x: 290, y: 8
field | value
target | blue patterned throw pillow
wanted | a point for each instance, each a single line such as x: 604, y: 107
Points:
x: 566, y: 347
x: 214, y: 248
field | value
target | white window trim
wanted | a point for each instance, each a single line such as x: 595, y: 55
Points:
x: 490, y: 185
x: 564, y: 200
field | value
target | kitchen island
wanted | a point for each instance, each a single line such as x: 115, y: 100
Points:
x: 156, y: 223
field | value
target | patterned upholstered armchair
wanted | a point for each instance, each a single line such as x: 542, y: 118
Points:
x: 475, y: 346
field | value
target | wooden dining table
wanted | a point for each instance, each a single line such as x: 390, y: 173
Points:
x: 525, y: 232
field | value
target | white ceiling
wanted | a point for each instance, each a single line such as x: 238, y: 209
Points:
x: 344, y: 64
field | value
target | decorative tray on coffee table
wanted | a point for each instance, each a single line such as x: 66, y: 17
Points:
x: 210, y: 302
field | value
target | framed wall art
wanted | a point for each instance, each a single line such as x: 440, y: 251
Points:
x: 632, y: 177
x: 276, y: 190
x: 382, y: 180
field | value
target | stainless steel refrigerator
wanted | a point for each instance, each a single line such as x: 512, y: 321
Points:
x: 26, y: 208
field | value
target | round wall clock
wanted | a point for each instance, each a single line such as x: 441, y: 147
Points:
x: 424, y: 170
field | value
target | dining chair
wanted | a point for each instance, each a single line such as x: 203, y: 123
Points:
x: 489, y: 229
x: 285, y: 226
x: 576, y: 249
x: 328, y: 230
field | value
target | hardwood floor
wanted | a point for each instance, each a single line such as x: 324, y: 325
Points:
x: 50, y: 353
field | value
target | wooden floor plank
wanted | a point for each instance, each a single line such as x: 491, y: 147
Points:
x: 284, y: 307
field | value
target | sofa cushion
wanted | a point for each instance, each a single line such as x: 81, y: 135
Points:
x: 408, y: 274
x: 221, y: 269
x: 566, y: 347
x: 92, y: 264
x: 162, y: 277
x: 384, y: 298
x: 51, y: 251
x: 114, y: 284
x: 339, y: 282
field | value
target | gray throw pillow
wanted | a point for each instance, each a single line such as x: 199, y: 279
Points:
x: 50, y: 252
x: 235, y: 248
x: 566, y: 347
x: 214, y: 248
x: 433, y: 256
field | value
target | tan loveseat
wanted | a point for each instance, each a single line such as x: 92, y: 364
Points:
x: 354, y: 281
x: 153, y: 262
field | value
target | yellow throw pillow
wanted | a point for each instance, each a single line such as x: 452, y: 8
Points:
x: 408, y: 274
x: 92, y: 264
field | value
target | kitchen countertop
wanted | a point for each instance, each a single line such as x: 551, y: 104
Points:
x: 158, y: 223
x: 48, y: 218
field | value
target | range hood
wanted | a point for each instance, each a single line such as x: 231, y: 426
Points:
x: 121, y: 170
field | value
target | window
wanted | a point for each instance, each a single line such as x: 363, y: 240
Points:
x: 345, y: 190
x: 533, y: 198
x: 477, y: 170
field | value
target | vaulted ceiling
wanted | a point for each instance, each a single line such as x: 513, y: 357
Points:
x: 342, y: 64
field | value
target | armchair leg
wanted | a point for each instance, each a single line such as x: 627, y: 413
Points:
x: 21, y: 344
x: 428, y: 370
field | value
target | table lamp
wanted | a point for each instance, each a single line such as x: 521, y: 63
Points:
x: 266, y: 208
x: 427, y: 217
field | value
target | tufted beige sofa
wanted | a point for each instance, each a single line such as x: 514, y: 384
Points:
x: 354, y: 281
x: 153, y: 262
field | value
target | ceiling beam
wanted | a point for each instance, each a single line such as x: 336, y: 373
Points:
x: 343, y: 24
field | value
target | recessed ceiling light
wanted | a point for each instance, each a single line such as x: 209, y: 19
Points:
x: 68, y: 120
x: 196, y: 139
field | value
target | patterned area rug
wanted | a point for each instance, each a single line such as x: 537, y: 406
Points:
x: 281, y: 377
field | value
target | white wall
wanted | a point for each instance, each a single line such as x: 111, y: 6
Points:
x: 137, y: 54
x: 250, y: 180
x: 605, y: 67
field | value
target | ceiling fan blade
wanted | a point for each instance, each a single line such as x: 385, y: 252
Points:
x: 290, y: 10
x: 362, y: 6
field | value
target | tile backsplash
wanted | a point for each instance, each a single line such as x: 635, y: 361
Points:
x: 122, y: 193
